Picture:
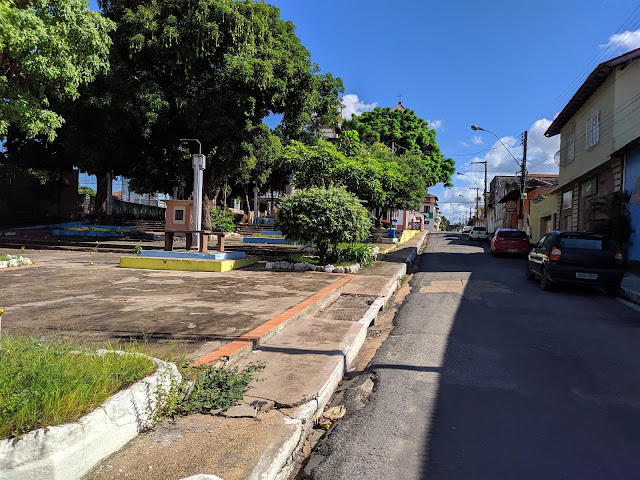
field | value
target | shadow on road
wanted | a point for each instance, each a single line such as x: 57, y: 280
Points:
x: 531, y: 384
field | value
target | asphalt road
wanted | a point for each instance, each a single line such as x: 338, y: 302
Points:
x: 487, y: 377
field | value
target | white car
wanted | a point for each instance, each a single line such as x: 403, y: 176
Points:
x: 478, y: 233
x: 466, y: 229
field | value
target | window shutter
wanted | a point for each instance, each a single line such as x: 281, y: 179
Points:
x: 596, y: 127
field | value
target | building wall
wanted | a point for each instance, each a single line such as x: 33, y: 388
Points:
x: 627, y: 117
x: 632, y: 186
x: 542, y: 215
x: 585, y: 160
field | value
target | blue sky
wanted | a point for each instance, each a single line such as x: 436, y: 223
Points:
x: 503, y: 65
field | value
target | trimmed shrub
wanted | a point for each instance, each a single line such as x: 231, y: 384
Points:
x: 324, y: 217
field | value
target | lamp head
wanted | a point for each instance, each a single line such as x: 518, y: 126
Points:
x: 475, y: 127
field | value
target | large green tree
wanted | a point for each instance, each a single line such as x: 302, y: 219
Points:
x: 405, y: 132
x: 205, y: 69
x: 48, y: 49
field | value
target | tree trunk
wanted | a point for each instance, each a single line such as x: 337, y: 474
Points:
x: 100, y: 206
x: 246, y: 197
x: 207, y: 206
x: 216, y: 192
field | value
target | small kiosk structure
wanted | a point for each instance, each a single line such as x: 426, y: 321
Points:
x: 179, y: 218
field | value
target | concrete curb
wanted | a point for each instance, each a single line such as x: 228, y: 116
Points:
x: 244, y: 344
x: 281, y: 466
x: 69, y: 451
x: 630, y: 295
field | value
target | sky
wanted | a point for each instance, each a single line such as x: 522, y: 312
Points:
x: 502, y: 65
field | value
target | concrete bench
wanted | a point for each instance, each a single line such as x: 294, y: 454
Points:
x: 203, y: 236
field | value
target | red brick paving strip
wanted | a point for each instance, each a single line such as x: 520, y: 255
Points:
x: 254, y: 335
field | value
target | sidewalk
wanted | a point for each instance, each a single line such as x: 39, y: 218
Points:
x: 304, y: 364
x: 630, y: 288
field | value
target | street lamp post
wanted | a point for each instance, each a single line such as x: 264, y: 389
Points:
x: 523, y: 169
x: 198, y: 162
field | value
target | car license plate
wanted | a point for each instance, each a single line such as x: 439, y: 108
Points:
x: 513, y: 250
x: 588, y: 276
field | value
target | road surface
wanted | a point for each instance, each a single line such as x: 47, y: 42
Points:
x: 486, y: 376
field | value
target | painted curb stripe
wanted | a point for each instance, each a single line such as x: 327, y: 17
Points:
x: 254, y: 335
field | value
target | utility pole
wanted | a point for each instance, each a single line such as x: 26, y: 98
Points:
x: 477, y: 189
x: 523, y: 181
x: 484, y: 196
x: 470, y: 207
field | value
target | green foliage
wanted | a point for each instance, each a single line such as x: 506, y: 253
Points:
x: 137, y: 249
x: 408, y: 134
x: 324, y: 217
x: 46, y: 383
x: 353, y: 253
x: 222, y: 220
x: 610, y: 216
x: 217, y: 388
x: 349, y: 143
x: 86, y: 191
x: 444, y: 223
x: 48, y: 48
x: 211, y: 70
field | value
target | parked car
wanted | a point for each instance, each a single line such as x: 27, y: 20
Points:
x: 478, y: 233
x: 510, y: 241
x: 466, y: 229
x: 576, y: 258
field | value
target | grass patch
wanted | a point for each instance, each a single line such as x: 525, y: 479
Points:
x: 5, y: 258
x: 51, y: 382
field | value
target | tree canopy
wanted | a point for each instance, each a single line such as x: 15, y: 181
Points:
x: 405, y: 132
x: 210, y: 70
x: 48, y: 49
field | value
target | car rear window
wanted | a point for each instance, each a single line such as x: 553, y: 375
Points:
x: 479, y: 229
x: 512, y: 235
x: 587, y: 243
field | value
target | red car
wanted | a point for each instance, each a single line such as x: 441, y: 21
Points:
x: 511, y: 241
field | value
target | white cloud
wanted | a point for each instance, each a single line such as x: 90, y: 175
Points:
x: 354, y: 106
x: 626, y: 41
x: 436, y: 124
x: 476, y: 140
x: 540, y: 156
x: 465, y: 144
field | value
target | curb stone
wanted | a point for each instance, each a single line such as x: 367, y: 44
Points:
x: 307, y: 413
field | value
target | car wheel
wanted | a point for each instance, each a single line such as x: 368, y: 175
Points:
x: 545, y: 283
x: 612, y: 291
x: 529, y: 273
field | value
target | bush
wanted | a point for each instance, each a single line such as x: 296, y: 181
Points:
x: 216, y: 388
x: 222, y: 220
x: 357, y: 253
x: 324, y: 217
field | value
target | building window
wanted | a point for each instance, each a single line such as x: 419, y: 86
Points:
x: 588, y: 187
x: 178, y: 214
x: 570, y: 147
x: 427, y: 209
x: 567, y: 198
x: 592, y: 133
x: 426, y: 222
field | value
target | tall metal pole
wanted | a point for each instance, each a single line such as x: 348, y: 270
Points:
x: 198, y: 162
x: 523, y: 181
x: 484, y: 195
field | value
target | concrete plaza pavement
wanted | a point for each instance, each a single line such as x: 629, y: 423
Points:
x: 84, y: 294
